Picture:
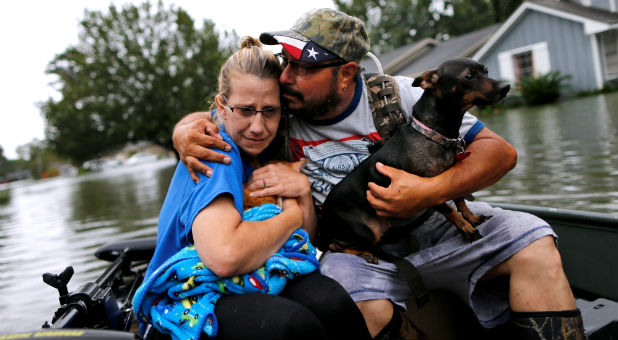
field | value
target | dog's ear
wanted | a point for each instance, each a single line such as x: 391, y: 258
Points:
x: 427, y: 80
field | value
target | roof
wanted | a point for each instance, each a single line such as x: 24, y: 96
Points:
x: 412, y: 59
x: 463, y: 46
x: 573, y: 8
x: 594, y: 20
x: 397, y: 54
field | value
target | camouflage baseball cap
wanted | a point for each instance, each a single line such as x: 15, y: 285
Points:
x: 321, y: 35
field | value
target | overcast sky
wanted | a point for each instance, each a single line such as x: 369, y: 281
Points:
x: 32, y: 32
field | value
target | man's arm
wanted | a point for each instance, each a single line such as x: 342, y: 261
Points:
x: 194, y: 136
x: 491, y: 157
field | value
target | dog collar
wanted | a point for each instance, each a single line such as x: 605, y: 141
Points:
x: 435, y: 136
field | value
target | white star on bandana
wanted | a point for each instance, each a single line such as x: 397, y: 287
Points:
x: 312, y: 53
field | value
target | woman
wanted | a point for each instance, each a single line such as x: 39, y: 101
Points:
x: 208, y: 215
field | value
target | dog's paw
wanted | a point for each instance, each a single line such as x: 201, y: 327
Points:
x: 477, y: 220
x: 370, y: 258
x: 473, y: 236
x: 484, y: 218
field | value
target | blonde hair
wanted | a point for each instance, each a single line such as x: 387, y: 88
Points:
x: 249, y: 59
x: 252, y: 59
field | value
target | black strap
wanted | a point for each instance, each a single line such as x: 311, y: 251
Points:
x: 412, y: 276
x: 415, y: 281
x: 405, y: 267
x: 387, y: 114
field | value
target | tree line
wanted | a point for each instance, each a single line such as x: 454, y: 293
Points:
x: 395, y: 23
x: 137, y: 70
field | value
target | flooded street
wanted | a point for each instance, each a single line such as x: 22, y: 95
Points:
x: 568, y: 158
x: 51, y: 224
x: 567, y: 155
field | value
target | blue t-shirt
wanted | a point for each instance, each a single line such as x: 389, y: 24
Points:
x: 185, y: 199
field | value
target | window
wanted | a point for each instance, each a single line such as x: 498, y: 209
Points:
x: 524, y: 66
x: 609, y: 47
x: 524, y: 61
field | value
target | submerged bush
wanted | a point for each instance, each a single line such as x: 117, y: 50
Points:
x: 5, y: 196
x: 543, y: 89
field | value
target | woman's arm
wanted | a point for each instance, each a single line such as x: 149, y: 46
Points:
x: 229, y: 246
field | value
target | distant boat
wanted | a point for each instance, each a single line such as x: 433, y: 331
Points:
x: 140, y: 158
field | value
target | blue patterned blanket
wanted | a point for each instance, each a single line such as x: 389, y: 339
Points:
x: 180, y: 296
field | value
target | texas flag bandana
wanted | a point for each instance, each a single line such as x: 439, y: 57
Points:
x: 305, y: 51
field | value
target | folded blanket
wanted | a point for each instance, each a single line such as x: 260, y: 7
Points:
x: 179, y: 297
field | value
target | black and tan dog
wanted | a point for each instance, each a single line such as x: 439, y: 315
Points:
x: 426, y: 145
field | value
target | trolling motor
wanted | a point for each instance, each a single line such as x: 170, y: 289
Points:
x: 60, y: 281
x: 92, y: 305
x: 106, y: 302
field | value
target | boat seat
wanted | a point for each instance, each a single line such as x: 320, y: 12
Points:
x: 136, y: 249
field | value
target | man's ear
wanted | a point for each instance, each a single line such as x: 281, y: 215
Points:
x: 221, y: 111
x: 347, y: 73
x: 427, y: 80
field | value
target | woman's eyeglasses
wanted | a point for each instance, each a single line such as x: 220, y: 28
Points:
x: 302, y: 69
x: 248, y: 112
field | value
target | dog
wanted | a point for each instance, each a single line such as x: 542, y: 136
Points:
x: 426, y: 146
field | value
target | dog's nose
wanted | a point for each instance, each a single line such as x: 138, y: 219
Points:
x: 504, y: 89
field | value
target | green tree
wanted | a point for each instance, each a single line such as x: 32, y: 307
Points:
x: 392, y: 23
x: 466, y: 16
x: 395, y: 23
x: 7, y: 165
x: 4, y: 163
x: 463, y: 16
x: 134, y: 73
x: 38, y: 158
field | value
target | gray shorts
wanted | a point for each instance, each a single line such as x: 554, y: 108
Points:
x: 446, y: 261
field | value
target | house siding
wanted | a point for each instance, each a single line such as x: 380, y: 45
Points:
x: 608, y: 5
x: 566, y: 41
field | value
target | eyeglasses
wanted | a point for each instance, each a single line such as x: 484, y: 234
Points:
x: 302, y: 69
x: 248, y: 112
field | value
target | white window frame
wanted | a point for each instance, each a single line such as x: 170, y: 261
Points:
x: 602, y: 39
x: 540, y: 60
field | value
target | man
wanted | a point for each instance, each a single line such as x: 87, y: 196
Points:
x: 331, y: 125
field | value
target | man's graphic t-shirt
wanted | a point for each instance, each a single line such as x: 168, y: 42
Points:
x: 334, y: 147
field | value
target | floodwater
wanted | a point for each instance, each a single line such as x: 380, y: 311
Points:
x: 50, y: 224
x: 568, y: 158
x: 567, y: 155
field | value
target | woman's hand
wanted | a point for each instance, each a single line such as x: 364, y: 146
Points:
x: 280, y: 179
x: 194, y: 138
x: 285, y: 180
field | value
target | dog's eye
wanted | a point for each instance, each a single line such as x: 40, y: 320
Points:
x: 469, y: 76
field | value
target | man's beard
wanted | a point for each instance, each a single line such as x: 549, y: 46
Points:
x: 312, y: 110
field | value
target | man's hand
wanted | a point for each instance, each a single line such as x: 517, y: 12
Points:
x: 194, y: 139
x: 491, y: 158
x: 406, y: 195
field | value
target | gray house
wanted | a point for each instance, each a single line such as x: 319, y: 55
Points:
x: 546, y: 35
x: 575, y: 38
